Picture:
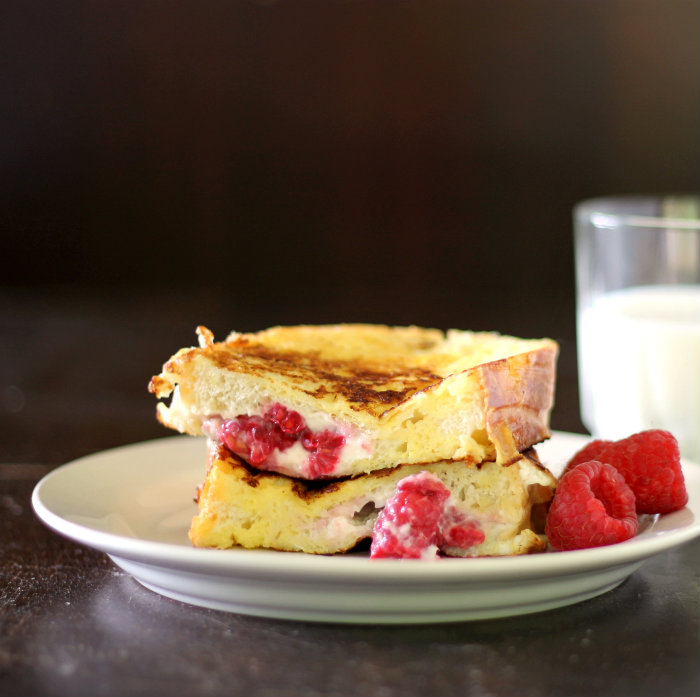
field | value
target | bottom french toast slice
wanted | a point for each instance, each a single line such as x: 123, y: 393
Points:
x: 245, y: 507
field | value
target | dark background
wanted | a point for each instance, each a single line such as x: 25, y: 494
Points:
x: 242, y: 164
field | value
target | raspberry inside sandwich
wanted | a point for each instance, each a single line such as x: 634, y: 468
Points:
x: 261, y: 439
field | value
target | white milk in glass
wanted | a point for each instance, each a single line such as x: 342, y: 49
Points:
x: 639, y: 363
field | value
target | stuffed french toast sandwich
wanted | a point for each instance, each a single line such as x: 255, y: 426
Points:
x: 317, y: 433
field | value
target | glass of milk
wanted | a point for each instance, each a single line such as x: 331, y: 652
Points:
x: 638, y: 316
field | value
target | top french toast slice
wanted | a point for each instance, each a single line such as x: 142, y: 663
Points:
x: 338, y: 400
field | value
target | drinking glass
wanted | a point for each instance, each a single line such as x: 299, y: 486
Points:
x: 638, y: 316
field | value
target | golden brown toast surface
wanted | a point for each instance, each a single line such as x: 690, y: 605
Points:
x: 366, y: 384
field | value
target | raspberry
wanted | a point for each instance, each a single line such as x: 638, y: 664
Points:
x: 587, y: 453
x: 256, y: 438
x: 651, y: 465
x: 419, y: 519
x: 290, y: 422
x: 324, y: 449
x: 248, y: 437
x: 592, y: 507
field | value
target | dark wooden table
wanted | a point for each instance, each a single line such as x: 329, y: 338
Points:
x: 74, y: 369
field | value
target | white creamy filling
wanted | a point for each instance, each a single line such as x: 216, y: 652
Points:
x: 343, y: 528
x: 294, y: 460
x: 346, y: 520
x: 357, y: 446
x: 290, y: 460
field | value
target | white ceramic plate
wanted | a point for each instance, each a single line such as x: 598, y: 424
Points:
x: 135, y: 503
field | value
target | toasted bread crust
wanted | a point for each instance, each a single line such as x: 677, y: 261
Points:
x: 412, y: 394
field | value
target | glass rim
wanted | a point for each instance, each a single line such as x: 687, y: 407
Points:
x: 593, y: 210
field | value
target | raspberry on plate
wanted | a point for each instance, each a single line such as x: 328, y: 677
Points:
x: 592, y: 507
x: 650, y: 462
x: 589, y: 452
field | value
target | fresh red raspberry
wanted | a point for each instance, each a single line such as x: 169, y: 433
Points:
x: 650, y: 462
x: 592, y: 507
x: 419, y: 519
x: 589, y: 452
